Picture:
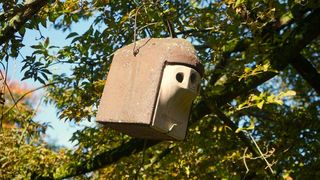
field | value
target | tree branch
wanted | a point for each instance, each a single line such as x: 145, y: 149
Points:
x: 305, y: 32
x: 101, y: 160
x: 307, y: 71
x: 282, y: 54
x: 215, y: 109
x: 17, y: 21
x: 24, y: 95
x: 300, y: 37
x: 240, y: 46
x: 190, y: 31
x: 167, y: 23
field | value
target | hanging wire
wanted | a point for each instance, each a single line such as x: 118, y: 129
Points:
x: 166, y: 22
x: 143, y: 157
x: 135, y: 33
x: 135, y: 28
x: 169, y: 26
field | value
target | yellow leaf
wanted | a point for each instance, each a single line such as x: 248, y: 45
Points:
x: 288, y: 93
x: 278, y: 101
x: 260, y: 104
x: 266, y: 67
x: 247, y: 69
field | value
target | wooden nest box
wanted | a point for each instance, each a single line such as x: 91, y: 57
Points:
x: 149, y: 94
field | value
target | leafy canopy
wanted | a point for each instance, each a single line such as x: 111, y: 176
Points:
x: 257, y: 114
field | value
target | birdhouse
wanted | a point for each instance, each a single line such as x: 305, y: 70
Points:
x: 149, y: 94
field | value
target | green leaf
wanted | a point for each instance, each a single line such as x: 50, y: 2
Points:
x: 41, y: 80
x: 22, y: 31
x: 36, y: 46
x: 284, y: 19
x: 46, y: 71
x: 38, y: 64
x: 43, y: 22
x: 75, y: 39
x: 24, y: 78
x: 73, y: 34
x: 37, y: 52
x: 46, y: 42
x: 44, y: 75
x: 25, y: 66
x: 239, y: 2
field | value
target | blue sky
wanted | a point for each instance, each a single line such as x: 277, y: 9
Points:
x: 61, y: 131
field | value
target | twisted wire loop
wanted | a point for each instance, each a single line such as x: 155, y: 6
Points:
x: 135, y: 28
x: 167, y: 22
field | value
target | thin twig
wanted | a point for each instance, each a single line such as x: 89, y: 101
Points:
x: 29, y: 117
x: 266, y: 155
x: 2, y: 99
x: 244, y: 160
x: 2, y: 91
x: 10, y: 92
x: 147, y: 25
x: 263, y: 157
x: 29, y: 10
x: 167, y: 23
x: 255, y: 150
x: 25, y: 94
x: 214, y: 108
x: 11, y: 95
x: 209, y: 29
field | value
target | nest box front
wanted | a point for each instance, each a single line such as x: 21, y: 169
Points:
x: 149, y: 94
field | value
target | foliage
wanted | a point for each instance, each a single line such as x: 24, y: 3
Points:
x: 257, y: 114
x: 24, y: 154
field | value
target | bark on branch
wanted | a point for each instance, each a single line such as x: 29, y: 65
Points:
x: 19, y: 19
x: 307, y: 71
x: 301, y: 36
x: 283, y: 53
x: 108, y: 157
